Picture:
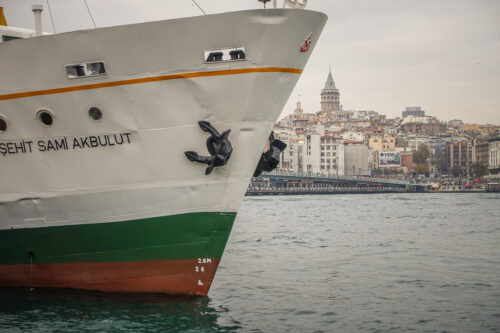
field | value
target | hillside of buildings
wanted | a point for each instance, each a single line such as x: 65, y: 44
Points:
x: 366, y: 143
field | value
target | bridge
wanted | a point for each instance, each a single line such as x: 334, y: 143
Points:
x: 286, y: 183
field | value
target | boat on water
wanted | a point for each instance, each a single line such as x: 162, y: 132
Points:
x: 125, y: 151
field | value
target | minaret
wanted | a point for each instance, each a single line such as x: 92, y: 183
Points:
x: 330, y: 96
x: 298, y: 112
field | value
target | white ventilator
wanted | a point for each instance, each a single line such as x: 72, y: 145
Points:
x: 37, y: 12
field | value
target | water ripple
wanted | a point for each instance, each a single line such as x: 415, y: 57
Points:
x: 343, y: 263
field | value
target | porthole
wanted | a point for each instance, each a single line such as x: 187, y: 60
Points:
x: 45, y: 117
x: 3, y: 124
x: 95, y: 113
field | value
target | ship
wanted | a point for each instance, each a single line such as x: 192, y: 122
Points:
x: 125, y: 151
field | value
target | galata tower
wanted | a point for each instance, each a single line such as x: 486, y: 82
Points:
x: 330, y: 96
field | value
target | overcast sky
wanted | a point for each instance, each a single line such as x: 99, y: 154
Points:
x: 385, y: 54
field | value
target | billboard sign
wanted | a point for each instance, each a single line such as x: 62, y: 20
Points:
x: 389, y: 159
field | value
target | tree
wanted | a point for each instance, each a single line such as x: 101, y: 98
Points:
x: 421, y: 168
x: 440, y: 162
x: 421, y: 155
x: 456, y: 170
x: 479, y: 169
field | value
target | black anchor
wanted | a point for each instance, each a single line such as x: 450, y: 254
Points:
x: 270, y: 159
x: 218, y: 146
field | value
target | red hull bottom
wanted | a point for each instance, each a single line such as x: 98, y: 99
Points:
x: 175, y: 277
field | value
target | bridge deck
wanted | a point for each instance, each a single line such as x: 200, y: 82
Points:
x: 308, y: 183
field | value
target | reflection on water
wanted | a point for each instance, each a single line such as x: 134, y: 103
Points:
x: 48, y: 310
x: 332, y: 263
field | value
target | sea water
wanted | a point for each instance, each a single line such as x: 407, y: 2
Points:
x: 325, y: 263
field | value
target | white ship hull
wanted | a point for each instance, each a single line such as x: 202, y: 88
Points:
x: 130, y: 165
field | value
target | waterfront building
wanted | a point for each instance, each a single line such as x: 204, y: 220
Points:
x: 353, y: 159
x: 301, y: 124
x: 406, y: 161
x: 484, y: 130
x: 311, y: 153
x: 457, y: 123
x: 291, y: 157
x: 470, y: 129
x: 489, y: 129
x: 353, y: 123
x: 459, y: 154
x: 415, y: 111
x: 480, y: 150
x: 438, y: 143
x: 288, y: 157
x: 328, y: 154
x: 414, y: 141
x: 390, y: 129
x: 353, y: 135
x: 417, y: 119
x: 494, y: 154
x: 424, y: 125
x: 380, y: 143
x: 341, y: 115
x: 328, y: 141
x: 403, y: 147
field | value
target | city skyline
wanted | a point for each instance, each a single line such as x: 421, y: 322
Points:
x: 385, y: 55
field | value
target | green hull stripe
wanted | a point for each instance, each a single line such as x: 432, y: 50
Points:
x: 185, y: 236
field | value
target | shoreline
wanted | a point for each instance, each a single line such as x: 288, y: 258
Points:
x: 282, y: 192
